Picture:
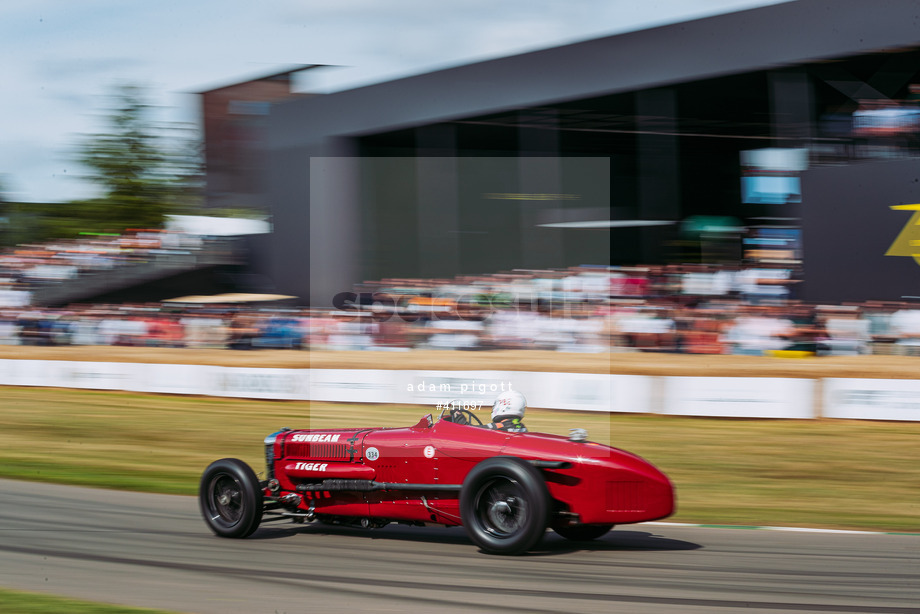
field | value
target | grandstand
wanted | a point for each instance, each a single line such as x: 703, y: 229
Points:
x: 795, y: 121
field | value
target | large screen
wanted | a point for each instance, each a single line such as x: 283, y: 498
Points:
x: 771, y: 175
x: 770, y: 189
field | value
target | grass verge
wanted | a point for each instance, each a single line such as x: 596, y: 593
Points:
x: 820, y: 473
x: 16, y: 602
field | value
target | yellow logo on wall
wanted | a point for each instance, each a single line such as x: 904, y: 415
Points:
x: 908, y: 241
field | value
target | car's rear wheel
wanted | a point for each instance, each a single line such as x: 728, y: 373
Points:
x: 583, y: 532
x: 230, y: 498
x: 504, y: 505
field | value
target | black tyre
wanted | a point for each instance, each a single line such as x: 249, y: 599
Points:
x: 583, y: 532
x: 230, y: 498
x: 504, y: 505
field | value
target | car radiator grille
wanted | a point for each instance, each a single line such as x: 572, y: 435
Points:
x: 322, y: 451
x: 625, y: 497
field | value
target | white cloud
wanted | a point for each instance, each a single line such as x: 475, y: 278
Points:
x: 60, y: 58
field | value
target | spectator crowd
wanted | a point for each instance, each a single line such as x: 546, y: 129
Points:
x: 29, y: 267
x: 697, y: 309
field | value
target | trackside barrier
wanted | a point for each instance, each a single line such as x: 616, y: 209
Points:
x: 576, y: 391
x: 158, y: 378
x: 743, y: 397
x: 872, y: 399
x: 754, y: 397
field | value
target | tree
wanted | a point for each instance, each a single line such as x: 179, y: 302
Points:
x: 146, y: 170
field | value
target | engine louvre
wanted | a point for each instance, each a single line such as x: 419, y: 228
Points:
x: 625, y: 496
x: 316, y: 451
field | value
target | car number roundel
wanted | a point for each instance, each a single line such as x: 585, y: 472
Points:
x: 428, y: 452
x: 371, y: 454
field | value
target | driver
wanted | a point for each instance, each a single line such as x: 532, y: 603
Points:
x: 508, y: 411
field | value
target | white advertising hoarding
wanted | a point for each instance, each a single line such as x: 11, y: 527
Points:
x: 69, y: 374
x: 343, y: 386
x: 574, y: 391
x: 592, y: 392
x: 748, y: 397
x: 739, y: 397
x: 872, y: 399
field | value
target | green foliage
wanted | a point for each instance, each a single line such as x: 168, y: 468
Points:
x: 236, y: 212
x: 145, y: 170
x: 16, y: 602
x: 36, y: 222
x: 40, y: 222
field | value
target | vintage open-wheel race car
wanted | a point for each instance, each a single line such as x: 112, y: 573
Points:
x: 504, y: 488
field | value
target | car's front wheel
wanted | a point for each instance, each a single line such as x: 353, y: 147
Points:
x: 504, y: 505
x: 583, y: 532
x: 230, y: 498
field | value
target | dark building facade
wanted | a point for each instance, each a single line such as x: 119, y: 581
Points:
x: 233, y: 119
x: 795, y: 121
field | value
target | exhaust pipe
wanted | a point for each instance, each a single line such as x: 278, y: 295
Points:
x: 291, y: 499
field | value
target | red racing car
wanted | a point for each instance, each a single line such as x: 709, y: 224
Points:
x: 505, y: 488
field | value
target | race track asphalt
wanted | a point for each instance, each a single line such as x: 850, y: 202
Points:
x: 155, y: 551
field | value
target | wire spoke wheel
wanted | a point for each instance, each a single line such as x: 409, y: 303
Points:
x: 225, y: 500
x: 230, y: 498
x: 501, y: 507
x: 504, y: 505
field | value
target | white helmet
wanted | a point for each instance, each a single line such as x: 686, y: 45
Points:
x: 510, y: 404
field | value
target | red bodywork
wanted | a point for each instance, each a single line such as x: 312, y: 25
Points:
x: 589, y: 483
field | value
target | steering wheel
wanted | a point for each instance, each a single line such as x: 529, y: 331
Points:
x: 458, y: 415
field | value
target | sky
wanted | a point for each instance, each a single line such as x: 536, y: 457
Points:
x: 60, y: 60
